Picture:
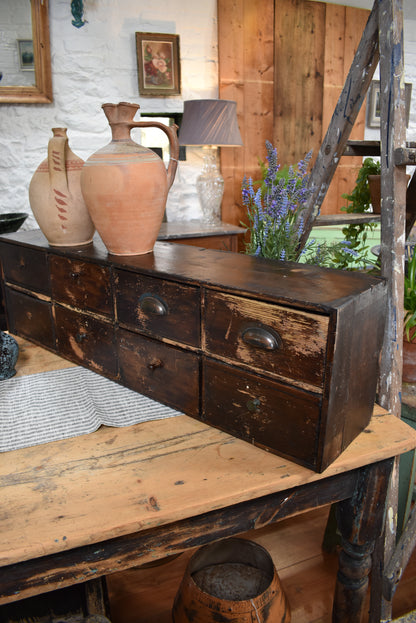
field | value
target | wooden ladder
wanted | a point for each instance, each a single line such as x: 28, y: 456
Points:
x: 382, y: 42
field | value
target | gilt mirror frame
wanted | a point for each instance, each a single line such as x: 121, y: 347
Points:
x: 42, y: 92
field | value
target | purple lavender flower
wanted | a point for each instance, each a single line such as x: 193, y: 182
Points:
x: 275, y: 208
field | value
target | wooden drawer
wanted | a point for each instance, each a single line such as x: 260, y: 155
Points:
x: 267, y: 413
x: 165, y: 373
x: 30, y: 317
x: 82, y: 285
x: 86, y: 340
x: 158, y: 307
x: 274, y: 340
x: 25, y: 267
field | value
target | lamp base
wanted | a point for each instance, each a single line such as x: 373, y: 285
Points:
x: 210, y: 187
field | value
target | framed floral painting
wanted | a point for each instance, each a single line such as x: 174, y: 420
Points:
x: 158, y: 64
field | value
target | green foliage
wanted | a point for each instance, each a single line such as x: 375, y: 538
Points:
x: 337, y: 255
x: 359, y: 202
x: 410, y: 296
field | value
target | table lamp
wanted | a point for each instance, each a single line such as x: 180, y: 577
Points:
x: 211, y: 124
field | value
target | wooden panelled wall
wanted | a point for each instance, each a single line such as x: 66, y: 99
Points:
x: 284, y: 62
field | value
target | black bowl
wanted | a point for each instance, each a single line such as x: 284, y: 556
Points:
x: 11, y: 221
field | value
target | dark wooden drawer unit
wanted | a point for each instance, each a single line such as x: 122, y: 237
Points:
x: 86, y: 339
x: 160, y: 371
x: 30, y: 317
x: 82, y: 285
x: 159, y: 307
x: 283, y: 343
x: 282, y: 355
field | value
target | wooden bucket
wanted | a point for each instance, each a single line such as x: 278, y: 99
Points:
x: 232, y: 580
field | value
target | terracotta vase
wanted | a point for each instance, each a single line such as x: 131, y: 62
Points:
x: 409, y: 360
x: 125, y: 185
x: 374, y: 185
x: 55, y: 195
x: 232, y: 580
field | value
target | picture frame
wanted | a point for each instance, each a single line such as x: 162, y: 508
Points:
x: 26, y: 55
x: 373, y: 103
x: 158, y: 64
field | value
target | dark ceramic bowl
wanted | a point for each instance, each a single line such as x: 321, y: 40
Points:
x: 11, y: 221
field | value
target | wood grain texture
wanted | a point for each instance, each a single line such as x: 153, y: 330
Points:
x: 104, y: 502
x: 148, y: 475
x: 245, y: 34
x: 298, y: 78
x: 393, y: 224
x: 284, y: 63
x: 300, y: 338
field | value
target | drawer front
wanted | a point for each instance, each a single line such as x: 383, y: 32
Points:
x: 86, y: 340
x: 162, y: 372
x: 25, y: 267
x: 275, y: 340
x: 157, y: 307
x: 81, y: 284
x: 282, y: 419
x: 30, y: 317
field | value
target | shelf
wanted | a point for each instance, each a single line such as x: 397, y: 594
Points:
x: 324, y: 220
x: 403, y: 156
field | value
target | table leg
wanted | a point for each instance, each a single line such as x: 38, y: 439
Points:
x: 360, y: 522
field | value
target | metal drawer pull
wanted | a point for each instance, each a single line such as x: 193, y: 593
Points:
x: 80, y: 337
x: 155, y: 364
x: 150, y: 304
x: 260, y: 338
x: 253, y: 405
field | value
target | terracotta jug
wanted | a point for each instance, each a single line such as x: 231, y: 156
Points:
x: 55, y: 195
x: 125, y: 185
x: 231, y: 580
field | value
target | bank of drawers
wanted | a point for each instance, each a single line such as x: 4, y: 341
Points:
x: 278, y: 375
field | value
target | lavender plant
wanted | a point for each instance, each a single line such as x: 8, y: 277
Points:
x: 275, y: 209
x: 276, y: 222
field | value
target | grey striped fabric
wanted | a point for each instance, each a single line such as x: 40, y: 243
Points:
x: 65, y: 403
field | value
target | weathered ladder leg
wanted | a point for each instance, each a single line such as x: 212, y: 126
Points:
x: 360, y: 522
x: 398, y: 562
x: 343, y: 119
x: 393, y: 220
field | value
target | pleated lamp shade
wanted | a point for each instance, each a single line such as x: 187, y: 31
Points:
x: 210, y: 122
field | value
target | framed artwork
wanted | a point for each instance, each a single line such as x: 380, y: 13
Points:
x: 373, y: 103
x: 26, y: 54
x: 158, y: 64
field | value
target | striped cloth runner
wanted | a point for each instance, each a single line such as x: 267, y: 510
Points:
x: 65, y: 403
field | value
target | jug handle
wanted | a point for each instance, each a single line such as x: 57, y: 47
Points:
x: 171, y: 132
x: 57, y: 147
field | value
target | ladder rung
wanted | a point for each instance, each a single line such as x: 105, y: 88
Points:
x: 403, y: 156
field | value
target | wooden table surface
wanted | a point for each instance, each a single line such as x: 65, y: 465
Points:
x: 116, y: 481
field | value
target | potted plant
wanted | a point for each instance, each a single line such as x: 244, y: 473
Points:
x: 409, y: 337
x: 275, y: 209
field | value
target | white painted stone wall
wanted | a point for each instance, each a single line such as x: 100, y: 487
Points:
x: 96, y: 64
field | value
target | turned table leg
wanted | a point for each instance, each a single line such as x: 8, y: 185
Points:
x: 360, y: 522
